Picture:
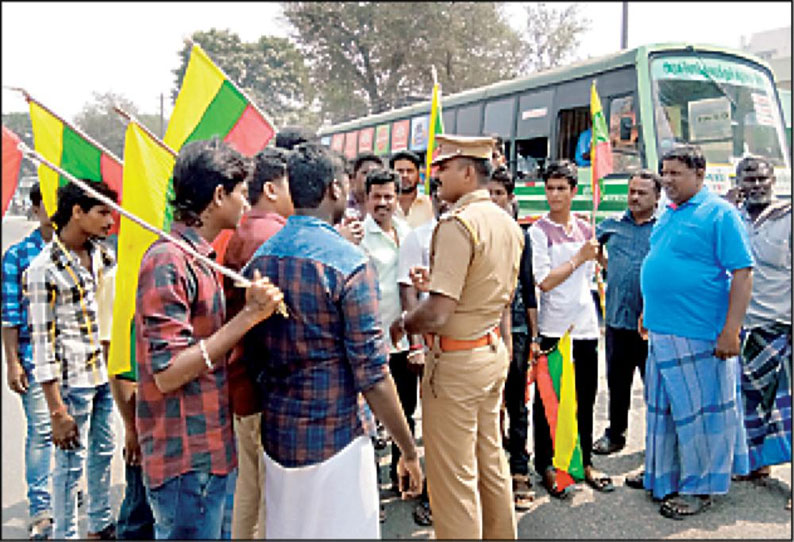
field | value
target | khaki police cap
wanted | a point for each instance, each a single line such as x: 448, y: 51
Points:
x: 453, y: 146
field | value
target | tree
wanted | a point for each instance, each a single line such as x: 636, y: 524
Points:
x: 270, y: 71
x: 105, y: 126
x: 19, y: 123
x: 367, y: 57
x: 552, y: 35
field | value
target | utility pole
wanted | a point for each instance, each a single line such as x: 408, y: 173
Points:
x: 624, y: 34
x: 162, y: 131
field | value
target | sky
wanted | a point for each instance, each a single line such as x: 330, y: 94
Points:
x: 62, y: 52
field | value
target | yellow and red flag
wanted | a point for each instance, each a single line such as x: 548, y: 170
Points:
x: 600, y: 149
x: 12, y: 160
x: 556, y: 382
x: 436, y: 126
x: 210, y: 104
x: 68, y: 147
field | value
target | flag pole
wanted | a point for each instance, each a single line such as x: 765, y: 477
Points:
x: 240, y: 280
x: 131, y: 118
x: 78, y: 131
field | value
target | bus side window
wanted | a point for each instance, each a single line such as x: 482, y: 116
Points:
x: 623, y: 134
x: 531, y: 157
x: 571, y: 123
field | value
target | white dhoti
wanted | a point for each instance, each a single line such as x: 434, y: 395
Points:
x: 337, y: 498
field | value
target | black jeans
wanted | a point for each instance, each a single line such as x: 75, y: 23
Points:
x: 407, y: 384
x: 585, y: 356
x: 135, y: 521
x: 626, y: 350
x: 515, y: 393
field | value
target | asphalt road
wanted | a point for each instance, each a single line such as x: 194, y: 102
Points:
x: 748, y: 511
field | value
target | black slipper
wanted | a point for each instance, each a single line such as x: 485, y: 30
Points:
x: 552, y: 488
x: 681, y: 506
x: 636, y: 481
x: 601, y: 483
x: 422, y: 514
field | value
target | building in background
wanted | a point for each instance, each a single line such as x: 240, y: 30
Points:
x: 774, y: 46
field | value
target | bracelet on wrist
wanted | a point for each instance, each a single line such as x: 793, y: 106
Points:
x: 573, y: 265
x: 60, y: 411
x: 207, y: 360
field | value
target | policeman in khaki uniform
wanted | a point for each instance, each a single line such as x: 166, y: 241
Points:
x: 474, y: 265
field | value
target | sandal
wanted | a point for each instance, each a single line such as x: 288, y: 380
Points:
x: 636, y: 481
x: 600, y: 483
x: 422, y: 514
x: 681, y: 506
x: 756, y: 475
x: 522, y: 492
x: 550, y: 483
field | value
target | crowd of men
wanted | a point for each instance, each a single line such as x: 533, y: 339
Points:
x: 254, y: 412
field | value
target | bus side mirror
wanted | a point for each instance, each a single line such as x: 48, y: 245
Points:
x: 626, y: 124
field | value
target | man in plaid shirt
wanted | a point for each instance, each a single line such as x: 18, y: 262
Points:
x: 68, y: 357
x: 19, y: 358
x: 183, y: 417
x: 317, y: 361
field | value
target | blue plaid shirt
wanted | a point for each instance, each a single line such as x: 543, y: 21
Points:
x: 330, y: 348
x: 15, y: 303
x: 627, y: 244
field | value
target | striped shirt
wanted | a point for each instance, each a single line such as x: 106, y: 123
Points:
x: 63, y: 315
x: 15, y: 303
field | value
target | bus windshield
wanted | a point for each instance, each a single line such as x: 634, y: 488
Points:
x: 725, y: 105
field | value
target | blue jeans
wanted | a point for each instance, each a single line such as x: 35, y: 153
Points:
x: 38, y: 450
x: 189, y: 507
x: 135, y: 521
x: 228, y: 507
x: 92, y: 410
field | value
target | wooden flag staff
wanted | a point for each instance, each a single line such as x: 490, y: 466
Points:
x: 239, y: 280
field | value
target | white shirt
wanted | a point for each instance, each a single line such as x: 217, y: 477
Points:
x: 384, y: 253
x: 415, y: 250
x: 570, y: 302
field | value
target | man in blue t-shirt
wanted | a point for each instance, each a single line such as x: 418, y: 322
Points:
x: 696, y: 283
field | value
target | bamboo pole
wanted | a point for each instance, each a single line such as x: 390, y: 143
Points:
x: 78, y: 131
x: 240, y: 281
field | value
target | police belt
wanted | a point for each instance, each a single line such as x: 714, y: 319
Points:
x: 448, y: 344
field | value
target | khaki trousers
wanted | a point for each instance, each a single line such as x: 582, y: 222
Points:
x: 248, y: 515
x: 468, y: 478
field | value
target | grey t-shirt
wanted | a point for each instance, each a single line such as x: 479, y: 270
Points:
x: 771, y: 245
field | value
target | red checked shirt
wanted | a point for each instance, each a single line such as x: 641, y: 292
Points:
x: 179, y: 302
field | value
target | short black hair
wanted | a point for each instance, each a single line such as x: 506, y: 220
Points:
x: 756, y: 166
x: 72, y: 194
x: 689, y: 155
x: 365, y: 157
x: 502, y: 176
x: 310, y: 170
x: 35, y: 194
x: 482, y: 167
x: 498, y: 143
x: 342, y: 164
x: 405, y: 155
x: 200, y: 167
x: 381, y: 176
x: 564, y: 169
x: 649, y: 175
x: 290, y: 137
x: 270, y: 165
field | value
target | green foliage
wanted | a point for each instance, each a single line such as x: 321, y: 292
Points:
x: 367, y: 57
x: 270, y: 71
x: 98, y: 120
x: 552, y: 35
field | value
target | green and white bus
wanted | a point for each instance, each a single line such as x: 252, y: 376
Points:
x: 653, y: 97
